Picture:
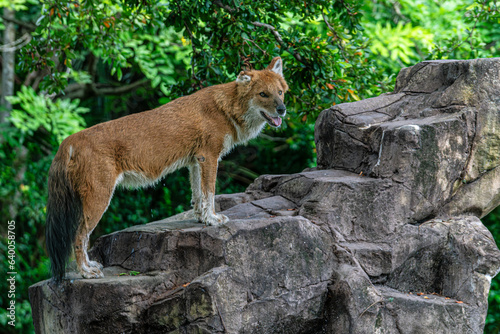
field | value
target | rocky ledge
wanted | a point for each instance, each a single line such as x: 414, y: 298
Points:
x: 383, y: 236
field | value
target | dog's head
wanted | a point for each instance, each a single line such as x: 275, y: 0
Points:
x: 264, y: 92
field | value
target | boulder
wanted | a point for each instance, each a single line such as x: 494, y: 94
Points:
x: 436, y: 134
x: 383, y: 236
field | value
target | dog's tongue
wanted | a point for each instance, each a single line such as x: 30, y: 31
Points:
x: 277, y: 121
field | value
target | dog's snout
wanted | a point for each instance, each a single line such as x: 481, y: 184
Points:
x: 281, y: 109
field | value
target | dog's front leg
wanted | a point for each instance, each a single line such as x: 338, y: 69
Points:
x: 207, y: 168
x: 195, y: 179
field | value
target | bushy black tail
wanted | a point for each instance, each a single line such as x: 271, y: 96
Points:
x: 64, y: 213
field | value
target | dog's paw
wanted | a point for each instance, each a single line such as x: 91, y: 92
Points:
x: 215, y: 220
x: 92, y: 271
x: 95, y: 264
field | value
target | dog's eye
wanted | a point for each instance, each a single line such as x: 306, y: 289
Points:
x: 263, y: 94
x: 280, y: 92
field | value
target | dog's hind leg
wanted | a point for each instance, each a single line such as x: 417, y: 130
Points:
x: 97, y: 197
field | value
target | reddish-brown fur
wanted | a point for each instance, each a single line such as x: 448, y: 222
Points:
x: 194, y: 131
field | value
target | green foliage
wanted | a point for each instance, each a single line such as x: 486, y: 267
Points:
x: 130, y: 273
x: 405, y: 32
x: 321, y: 44
x: 17, y: 5
x: 60, y: 118
x: 492, y: 222
x: 399, y: 43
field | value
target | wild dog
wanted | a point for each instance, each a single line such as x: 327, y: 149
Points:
x: 138, y: 150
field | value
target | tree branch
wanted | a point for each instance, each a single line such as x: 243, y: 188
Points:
x: 226, y: 7
x: 328, y: 25
x: 278, y: 38
x: 339, y: 41
x: 17, y: 44
x: 83, y: 91
x: 92, y: 59
x: 191, y: 37
x: 254, y: 43
x: 118, y: 90
x: 273, y: 30
x: 27, y: 25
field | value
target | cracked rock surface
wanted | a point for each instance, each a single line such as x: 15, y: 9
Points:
x: 383, y: 236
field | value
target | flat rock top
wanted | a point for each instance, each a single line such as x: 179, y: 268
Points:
x: 187, y: 225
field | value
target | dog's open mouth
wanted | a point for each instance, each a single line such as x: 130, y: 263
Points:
x: 273, y: 121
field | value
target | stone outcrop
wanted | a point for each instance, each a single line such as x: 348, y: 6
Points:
x: 383, y: 236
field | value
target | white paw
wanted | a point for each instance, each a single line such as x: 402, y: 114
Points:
x: 95, y: 264
x: 215, y: 219
x: 91, y: 272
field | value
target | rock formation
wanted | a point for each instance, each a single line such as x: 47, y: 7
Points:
x: 383, y: 236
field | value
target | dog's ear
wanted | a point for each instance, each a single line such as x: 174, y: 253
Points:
x: 276, y: 66
x: 243, y: 78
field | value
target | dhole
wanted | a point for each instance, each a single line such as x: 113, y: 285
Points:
x: 194, y: 131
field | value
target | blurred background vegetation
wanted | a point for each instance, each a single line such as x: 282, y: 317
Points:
x: 78, y: 63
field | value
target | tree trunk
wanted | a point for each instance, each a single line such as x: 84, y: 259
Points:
x: 9, y: 37
x: 8, y: 68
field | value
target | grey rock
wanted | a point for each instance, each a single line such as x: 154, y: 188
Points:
x: 263, y: 275
x: 383, y: 236
x: 436, y: 135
